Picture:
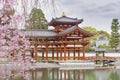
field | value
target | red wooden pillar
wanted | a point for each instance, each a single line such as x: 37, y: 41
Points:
x: 83, y: 50
x: 35, y: 52
x: 46, y: 52
x: 74, y: 52
x: 68, y: 54
x: 42, y: 54
x: 78, y: 53
x: 65, y: 51
x: 52, y: 53
x: 32, y: 53
x: 60, y: 52
x: 57, y: 51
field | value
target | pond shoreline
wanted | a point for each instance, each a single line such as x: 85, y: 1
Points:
x: 66, y: 65
x: 73, y: 65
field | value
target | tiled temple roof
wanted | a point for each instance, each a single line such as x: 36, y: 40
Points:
x: 39, y: 33
x: 65, y: 20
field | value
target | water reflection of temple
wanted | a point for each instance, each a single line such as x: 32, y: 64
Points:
x: 61, y: 74
x: 56, y: 74
x: 66, y: 38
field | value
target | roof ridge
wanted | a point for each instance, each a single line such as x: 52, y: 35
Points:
x: 66, y: 17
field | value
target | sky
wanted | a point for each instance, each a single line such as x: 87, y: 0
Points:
x: 95, y: 13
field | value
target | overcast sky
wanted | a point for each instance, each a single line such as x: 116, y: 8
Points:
x: 95, y: 13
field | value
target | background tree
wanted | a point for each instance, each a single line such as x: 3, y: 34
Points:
x: 90, y: 47
x: 114, y: 40
x: 104, y: 32
x: 92, y: 30
x: 103, y: 35
x: 36, y: 20
x: 95, y: 32
x: 93, y: 39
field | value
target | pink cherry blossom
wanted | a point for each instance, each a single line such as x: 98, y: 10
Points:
x: 12, y: 42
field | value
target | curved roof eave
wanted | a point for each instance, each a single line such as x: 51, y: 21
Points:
x: 69, y: 30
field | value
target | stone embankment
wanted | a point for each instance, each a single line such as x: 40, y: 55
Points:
x: 69, y: 64
x: 45, y: 65
x: 65, y: 65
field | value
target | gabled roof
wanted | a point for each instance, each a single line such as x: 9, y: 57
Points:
x: 64, y: 20
x: 76, y: 27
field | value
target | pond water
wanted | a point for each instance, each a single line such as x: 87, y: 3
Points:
x: 60, y: 74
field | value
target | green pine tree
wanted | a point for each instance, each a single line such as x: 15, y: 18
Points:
x: 114, y: 40
x: 36, y: 20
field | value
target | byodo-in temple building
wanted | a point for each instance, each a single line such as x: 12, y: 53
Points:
x: 66, y: 41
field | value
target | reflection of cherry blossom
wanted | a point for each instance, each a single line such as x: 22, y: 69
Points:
x: 13, y: 44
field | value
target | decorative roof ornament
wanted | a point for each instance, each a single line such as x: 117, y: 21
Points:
x: 63, y: 13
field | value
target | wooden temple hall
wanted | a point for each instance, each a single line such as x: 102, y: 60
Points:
x: 65, y: 42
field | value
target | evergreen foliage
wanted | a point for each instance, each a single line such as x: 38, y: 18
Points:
x: 36, y: 20
x: 114, y: 40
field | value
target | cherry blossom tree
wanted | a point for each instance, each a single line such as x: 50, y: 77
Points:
x: 13, y: 43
